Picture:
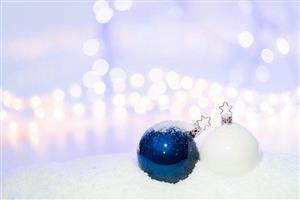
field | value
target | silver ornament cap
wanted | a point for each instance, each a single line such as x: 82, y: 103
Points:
x: 226, y: 114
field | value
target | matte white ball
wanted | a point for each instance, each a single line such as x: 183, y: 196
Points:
x: 230, y: 150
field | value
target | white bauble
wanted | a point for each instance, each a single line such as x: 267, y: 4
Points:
x: 230, y: 149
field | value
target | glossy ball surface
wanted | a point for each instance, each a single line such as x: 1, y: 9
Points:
x: 230, y: 150
x: 167, y: 154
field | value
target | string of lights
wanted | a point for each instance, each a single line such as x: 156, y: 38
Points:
x: 167, y: 92
x: 158, y: 90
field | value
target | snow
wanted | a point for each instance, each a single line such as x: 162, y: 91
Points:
x: 177, y: 124
x: 118, y: 176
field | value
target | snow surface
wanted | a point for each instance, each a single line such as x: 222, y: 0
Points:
x: 118, y: 176
x: 162, y: 126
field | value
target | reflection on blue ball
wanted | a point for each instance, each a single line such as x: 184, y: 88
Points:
x: 167, y: 155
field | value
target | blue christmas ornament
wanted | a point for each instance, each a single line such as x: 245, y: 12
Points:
x: 167, y: 151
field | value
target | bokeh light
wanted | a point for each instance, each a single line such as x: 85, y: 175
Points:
x: 267, y: 55
x: 155, y: 74
x: 119, y: 100
x: 117, y: 74
x: 90, y: 78
x: 99, y: 87
x: 78, y: 109
x: 283, y: 46
x: 75, y: 91
x: 104, y: 15
x: 245, y: 39
x: 122, y: 5
x: 91, y: 47
x: 100, y: 66
x: 137, y: 80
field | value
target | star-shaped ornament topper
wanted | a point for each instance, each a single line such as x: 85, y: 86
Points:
x: 203, y: 123
x: 200, y: 126
x: 226, y: 114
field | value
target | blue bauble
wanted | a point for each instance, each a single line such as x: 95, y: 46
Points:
x: 167, y: 153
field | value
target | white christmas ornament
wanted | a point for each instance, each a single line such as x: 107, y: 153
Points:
x: 230, y: 149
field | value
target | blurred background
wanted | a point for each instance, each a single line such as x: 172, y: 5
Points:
x: 84, y: 78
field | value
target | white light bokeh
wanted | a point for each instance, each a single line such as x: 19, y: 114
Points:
x: 34, y: 137
x: 13, y: 133
x: 201, y: 85
x: 13, y: 127
x: 100, y: 4
x: 163, y: 102
x: 245, y: 39
x: 117, y: 75
x: 119, y: 100
x: 267, y: 55
x: 90, y: 78
x: 262, y: 74
x: 100, y: 66
x: 173, y: 80
x: 147, y: 102
x: 33, y: 127
x: 78, y: 109
x: 104, y: 14
x: 99, y: 109
x: 75, y: 91
x: 133, y: 98
x: 266, y: 108
x: 59, y: 114
x: 286, y: 99
x: 137, y: 80
x: 273, y: 99
x: 91, y: 47
x: 122, y: 5
x: 6, y: 98
x: 99, y: 87
x: 181, y: 97
x: 187, y: 83
x: 156, y: 74
x: 17, y: 104
x: 195, y: 93
x: 176, y: 109
x: 58, y: 95
x: 156, y: 89
x: 142, y: 105
x: 35, y: 101
x: 39, y: 113
x: 139, y: 108
x: 283, y: 46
